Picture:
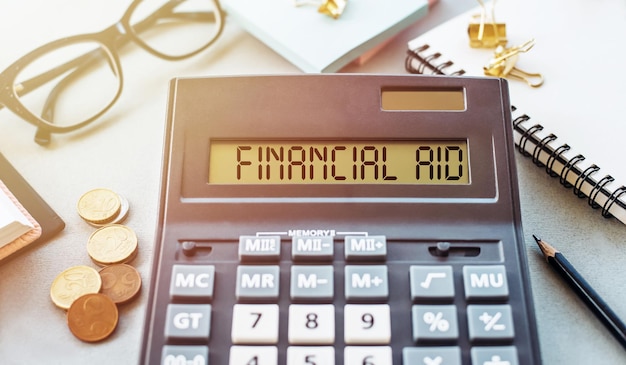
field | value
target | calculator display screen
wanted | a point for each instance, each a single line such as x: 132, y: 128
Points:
x: 412, y: 162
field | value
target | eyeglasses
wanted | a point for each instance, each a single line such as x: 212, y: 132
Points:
x: 69, y: 83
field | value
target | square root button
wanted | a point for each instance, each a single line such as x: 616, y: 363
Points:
x: 434, y: 282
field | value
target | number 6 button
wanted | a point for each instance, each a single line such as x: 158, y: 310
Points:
x: 367, y: 324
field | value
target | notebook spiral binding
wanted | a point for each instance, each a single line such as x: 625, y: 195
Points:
x: 419, y: 61
x: 426, y: 62
x: 567, y: 166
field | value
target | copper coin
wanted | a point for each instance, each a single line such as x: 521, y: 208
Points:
x: 120, y: 282
x: 92, y: 317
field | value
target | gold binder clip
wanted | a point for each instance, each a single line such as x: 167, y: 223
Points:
x: 503, y: 64
x: 487, y: 34
x: 332, y: 8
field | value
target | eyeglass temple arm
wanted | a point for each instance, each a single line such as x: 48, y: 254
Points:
x: 35, y: 82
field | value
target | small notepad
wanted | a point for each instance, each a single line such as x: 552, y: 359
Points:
x: 315, y: 42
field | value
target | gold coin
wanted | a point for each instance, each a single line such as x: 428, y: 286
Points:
x: 112, y: 244
x: 73, y: 283
x: 119, y: 218
x: 92, y: 317
x: 99, y: 205
x: 120, y: 282
x: 126, y: 260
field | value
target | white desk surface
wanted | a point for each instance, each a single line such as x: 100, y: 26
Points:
x: 123, y: 152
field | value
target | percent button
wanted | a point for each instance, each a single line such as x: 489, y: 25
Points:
x: 434, y: 322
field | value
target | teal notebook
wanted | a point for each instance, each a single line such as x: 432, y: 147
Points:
x: 315, y: 42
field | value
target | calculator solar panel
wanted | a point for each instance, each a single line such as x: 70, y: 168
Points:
x: 339, y: 219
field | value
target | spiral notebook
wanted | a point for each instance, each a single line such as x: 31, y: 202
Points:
x: 573, y: 126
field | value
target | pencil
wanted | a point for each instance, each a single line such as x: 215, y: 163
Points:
x: 584, y: 291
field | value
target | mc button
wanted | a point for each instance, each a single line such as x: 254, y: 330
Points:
x: 192, y: 281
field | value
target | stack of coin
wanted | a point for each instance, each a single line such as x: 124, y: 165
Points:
x: 112, y: 244
x: 101, y: 206
x: 91, y: 297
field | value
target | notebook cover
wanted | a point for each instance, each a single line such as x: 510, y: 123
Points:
x: 50, y: 222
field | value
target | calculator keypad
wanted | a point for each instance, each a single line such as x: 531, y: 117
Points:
x: 341, y: 307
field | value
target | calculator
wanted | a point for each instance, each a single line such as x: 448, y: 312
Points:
x: 342, y: 219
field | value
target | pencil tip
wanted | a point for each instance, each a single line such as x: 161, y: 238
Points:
x: 546, y: 249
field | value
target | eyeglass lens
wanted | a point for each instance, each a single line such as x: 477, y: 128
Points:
x: 81, y: 79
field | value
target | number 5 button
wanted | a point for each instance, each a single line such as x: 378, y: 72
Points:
x: 367, y: 324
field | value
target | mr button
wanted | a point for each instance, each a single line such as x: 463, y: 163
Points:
x: 258, y: 283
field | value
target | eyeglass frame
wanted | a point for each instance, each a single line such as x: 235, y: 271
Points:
x: 109, y: 41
